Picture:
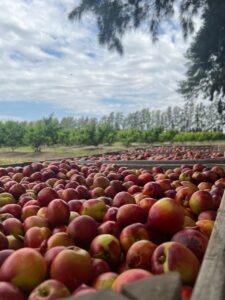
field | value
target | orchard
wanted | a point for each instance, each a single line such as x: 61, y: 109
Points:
x: 67, y: 228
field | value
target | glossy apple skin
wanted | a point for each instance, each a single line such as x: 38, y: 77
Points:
x: 153, y: 190
x: 122, y: 198
x: 139, y: 255
x: 205, y: 226
x: 71, y: 267
x: 109, y: 227
x: 34, y: 221
x: 194, y: 240
x: 105, y: 280
x: 49, y: 290
x: 94, y: 208
x: 131, y: 234
x: 147, y: 203
x: 128, y: 277
x: 14, y: 209
x: 9, y: 291
x: 58, y: 213
x: 6, y: 198
x: 29, y: 211
x: 52, y: 253
x: 13, y: 226
x: 166, y: 216
x: 173, y: 256
x: 201, y: 201
x: 46, y: 195
x: 25, y: 268
x: 83, y: 230
x: 129, y: 214
x: 106, y: 247
x: 183, y: 195
x: 110, y: 214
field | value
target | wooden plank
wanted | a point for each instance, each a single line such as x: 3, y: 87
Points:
x: 159, y: 287
x: 210, y: 284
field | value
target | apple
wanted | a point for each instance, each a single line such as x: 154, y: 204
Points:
x: 13, y: 226
x: 110, y: 227
x: 207, y: 215
x: 128, y: 277
x: 83, y: 289
x: 183, y: 195
x: 4, y: 254
x: 94, y: 208
x: 147, y: 203
x: 46, y: 195
x: 9, y: 291
x: 13, y: 209
x: 152, y: 189
x: 110, y: 214
x: 35, y: 236
x: 71, y: 267
x: 58, y: 212
x: 60, y: 239
x: 29, y: 211
x: 139, y: 255
x: 25, y: 268
x: 129, y: 214
x: 131, y: 234
x: 6, y: 198
x: 194, y: 240
x: 122, y: 198
x: 166, y: 216
x: 186, y: 292
x: 3, y: 241
x: 201, y: 201
x: 49, y: 290
x: 105, y: 281
x: 99, y: 266
x: 15, y: 242
x: 106, y: 247
x: 17, y: 190
x: 173, y: 256
x: 34, y: 221
x: 205, y: 226
x: 50, y: 254
x: 83, y: 230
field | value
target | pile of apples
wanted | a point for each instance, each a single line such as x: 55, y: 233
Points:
x: 162, y: 153
x: 68, y: 230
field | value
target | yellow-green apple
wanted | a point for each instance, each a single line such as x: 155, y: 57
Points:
x: 129, y: 214
x: 58, y: 212
x: 13, y: 226
x: 131, y: 234
x: 46, y: 195
x: 60, y: 239
x: 71, y: 267
x: 152, y: 189
x: 49, y: 290
x: 122, y: 198
x: 83, y: 230
x: 128, y: 277
x: 173, y: 256
x: 106, y: 247
x: 139, y: 255
x: 6, y: 198
x: 9, y: 291
x: 104, y: 281
x: 35, y: 236
x: 192, y: 239
x: 25, y: 268
x: 94, y: 208
x: 166, y: 216
x: 201, y: 201
x: 15, y: 242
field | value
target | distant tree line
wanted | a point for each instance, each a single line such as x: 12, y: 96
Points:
x: 192, y: 122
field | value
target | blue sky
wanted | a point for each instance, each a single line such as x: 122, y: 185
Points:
x: 51, y: 65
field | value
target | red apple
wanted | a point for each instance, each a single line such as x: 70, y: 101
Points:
x: 58, y: 212
x: 46, y: 195
x: 129, y: 214
x: 123, y: 198
x: 201, y: 201
x: 9, y: 291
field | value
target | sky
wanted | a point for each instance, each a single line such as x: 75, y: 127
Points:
x: 49, y: 64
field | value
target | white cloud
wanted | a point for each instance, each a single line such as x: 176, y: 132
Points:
x: 83, y: 75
